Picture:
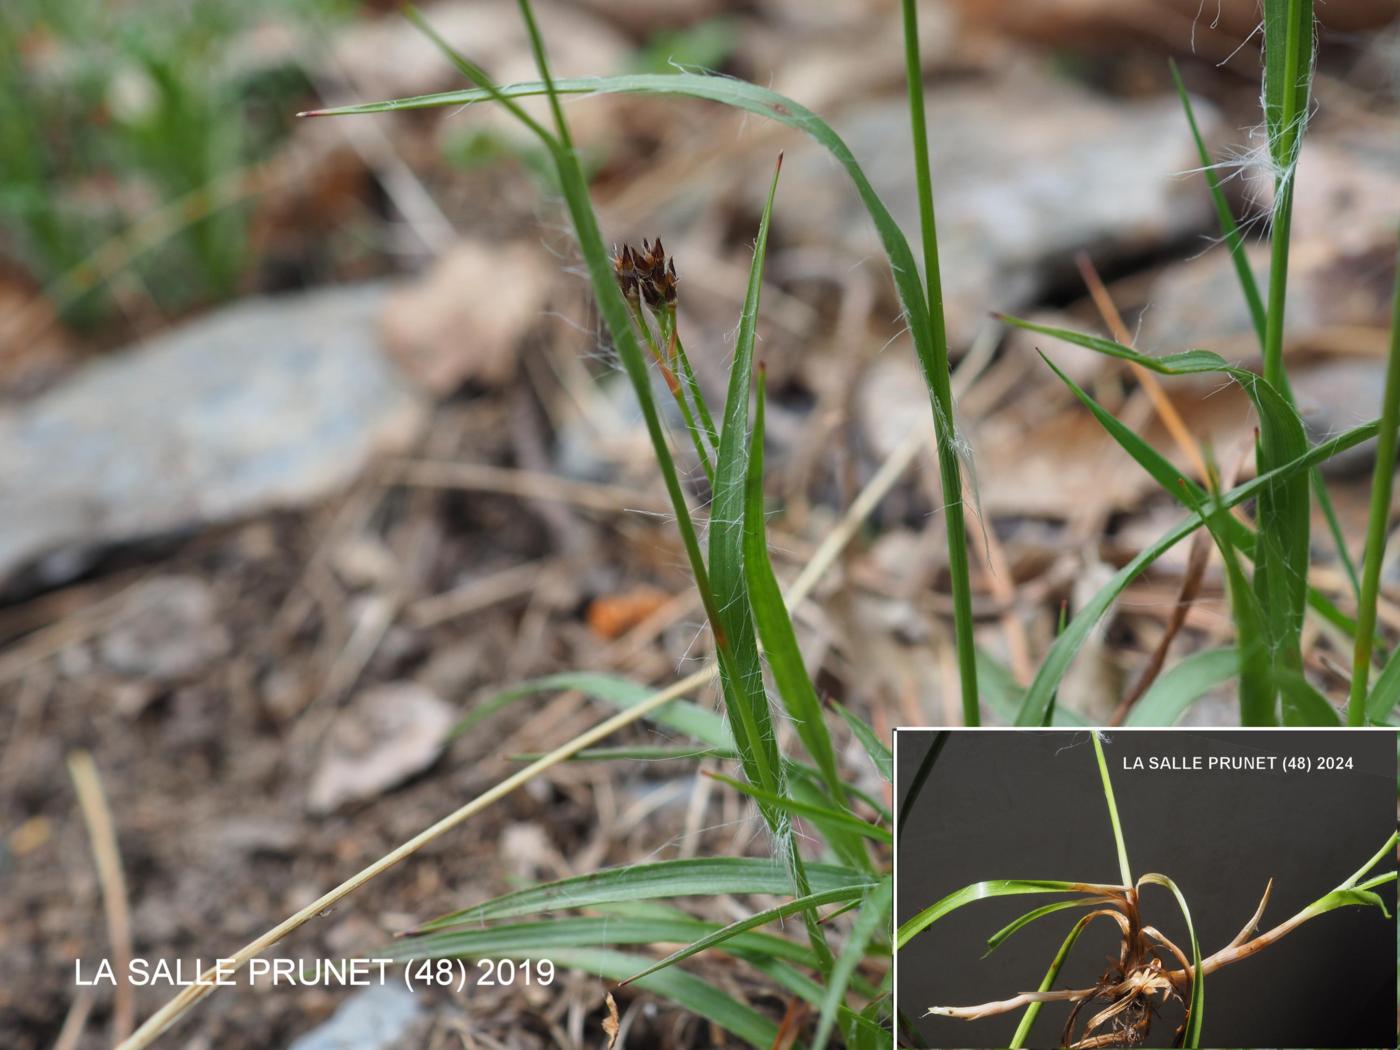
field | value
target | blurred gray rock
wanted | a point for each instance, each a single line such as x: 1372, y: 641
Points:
x: 269, y: 403
x: 375, y: 1018
x: 1027, y: 169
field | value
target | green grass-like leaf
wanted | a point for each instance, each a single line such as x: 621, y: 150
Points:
x: 705, y: 876
x: 801, y: 905
x: 999, y: 938
x: 879, y: 753
x: 741, y: 674
x: 994, y: 888
x: 934, y: 359
x: 1062, y: 652
x: 1124, y: 871
x: 874, y: 916
x: 1281, y: 558
x: 592, y: 931
x: 1229, y: 228
x: 825, y: 817
x: 1191, y: 495
x: 1196, y: 1007
x: 1382, y: 485
x: 775, y: 625
x: 683, y: 716
x: 1182, y: 685
x: 1032, y: 1011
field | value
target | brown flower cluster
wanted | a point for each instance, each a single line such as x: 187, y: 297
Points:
x: 646, y: 273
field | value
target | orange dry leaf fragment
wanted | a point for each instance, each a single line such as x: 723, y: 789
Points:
x: 613, y: 615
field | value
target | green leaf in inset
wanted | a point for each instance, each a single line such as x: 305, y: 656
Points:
x: 996, y: 888
x: 1196, y: 1007
x: 996, y: 940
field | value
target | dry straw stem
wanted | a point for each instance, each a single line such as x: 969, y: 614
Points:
x: 822, y: 559
x: 1161, y: 403
x: 98, y: 818
x: 1199, y: 555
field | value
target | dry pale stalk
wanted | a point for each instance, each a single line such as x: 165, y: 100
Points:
x: 92, y: 800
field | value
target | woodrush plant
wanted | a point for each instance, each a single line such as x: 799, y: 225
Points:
x: 1270, y: 609
x: 849, y: 987
x: 1151, y: 970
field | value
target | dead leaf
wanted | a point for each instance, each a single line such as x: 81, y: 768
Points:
x: 464, y: 320
x: 611, y: 1023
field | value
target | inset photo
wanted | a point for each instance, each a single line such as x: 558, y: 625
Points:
x: 1154, y: 888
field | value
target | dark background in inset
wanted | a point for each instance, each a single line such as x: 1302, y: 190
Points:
x: 1004, y: 805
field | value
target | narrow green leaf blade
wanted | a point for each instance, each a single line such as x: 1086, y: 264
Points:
x: 874, y: 746
x: 800, y: 905
x: 1197, y: 1007
x: 589, y: 932
x: 1229, y: 228
x: 1189, y: 493
x: 874, y: 916
x: 705, y: 876
x: 742, y: 674
x: 1123, y: 869
x: 1023, y: 1030
x: 681, y: 715
x: 1062, y: 652
x: 999, y: 938
x: 823, y: 816
x: 995, y: 888
x: 1385, y: 694
x: 775, y: 625
x: 1182, y: 685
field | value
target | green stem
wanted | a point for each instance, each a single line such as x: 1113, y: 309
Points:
x: 693, y: 384
x: 654, y: 345
x: 1382, y: 482
x: 1274, y: 373
x: 542, y: 64
x: 934, y: 359
x: 1124, y: 872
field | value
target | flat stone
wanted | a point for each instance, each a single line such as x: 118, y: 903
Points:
x: 374, y: 1018
x: 386, y: 735
x: 1027, y: 169
x: 271, y: 403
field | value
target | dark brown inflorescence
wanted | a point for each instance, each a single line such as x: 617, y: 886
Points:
x: 646, y: 273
